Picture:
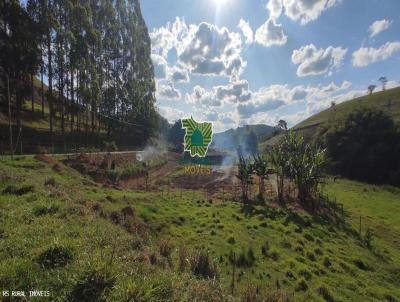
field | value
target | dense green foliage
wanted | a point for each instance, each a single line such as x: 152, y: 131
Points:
x: 365, y: 147
x: 95, y: 56
x: 301, y: 163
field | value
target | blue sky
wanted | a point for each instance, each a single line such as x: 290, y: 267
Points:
x: 236, y: 62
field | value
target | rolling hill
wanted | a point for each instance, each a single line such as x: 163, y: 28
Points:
x: 387, y: 101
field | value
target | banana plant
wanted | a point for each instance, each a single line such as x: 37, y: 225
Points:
x: 260, y: 167
x: 245, y: 174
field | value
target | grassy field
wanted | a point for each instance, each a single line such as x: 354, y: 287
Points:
x: 82, y: 241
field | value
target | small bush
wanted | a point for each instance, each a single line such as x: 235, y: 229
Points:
x: 318, y: 251
x: 91, y: 287
x: 202, y: 265
x: 50, y: 182
x: 263, y: 224
x: 183, y: 257
x: 13, y: 190
x: 128, y: 212
x: 41, y: 210
x: 286, y: 244
x: 265, y: 248
x: 231, y: 240
x: 165, y: 248
x: 301, y: 285
x: 309, y: 237
x: 324, y: 292
x: 54, y: 257
x: 361, y: 265
x: 311, y: 256
x: 368, y: 238
x: 274, y: 255
x: 327, y: 262
x: 246, y: 258
x: 305, y: 273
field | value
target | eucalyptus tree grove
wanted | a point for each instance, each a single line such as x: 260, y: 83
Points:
x: 95, y: 57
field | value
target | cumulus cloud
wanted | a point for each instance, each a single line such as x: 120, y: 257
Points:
x: 246, y: 30
x: 202, y: 97
x: 313, y: 61
x: 368, y: 55
x: 305, y: 11
x: 249, y: 109
x: 211, y: 50
x: 203, y: 49
x: 275, y: 8
x: 178, y: 75
x: 171, y: 114
x: 378, y: 26
x: 160, y: 66
x: 168, y: 92
x: 235, y: 92
x: 270, y: 33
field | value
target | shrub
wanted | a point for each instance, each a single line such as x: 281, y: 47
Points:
x: 128, y: 212
x: 286, y: 244
x: 274, y: 255
x: 309, y: 237
x: 305, y: 273
x: 165, y: 248
x: 202, y: 265
x: 246, y: 258
x: 265, y: 248
x: 301, y: 285
x: 40, y: 210
x: 231, y: 240
x: 324, y: 292
x: 91, y: 287
x: 183, y: 257
x: 311, y: 256
x: 361, y: 265
x: 368, y: 238
x: 54, y: 257
x: 13, y: 190
x: 50, y: 182
x: 327, y: 262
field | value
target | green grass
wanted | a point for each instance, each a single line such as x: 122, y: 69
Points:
x: 69, y: 235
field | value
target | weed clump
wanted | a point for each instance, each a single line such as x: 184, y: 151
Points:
x: 301, y: 285
x: 50, y: 182
x: 327, y: 262
x: 92, y: 287
x: 54, y: 257
x: 265, y: 248
x: 41, y: 210
x: 324, y: 292
x: 165, y: 248
x: 202, y: 265
x: 231, y: 240
x: 13, y: 190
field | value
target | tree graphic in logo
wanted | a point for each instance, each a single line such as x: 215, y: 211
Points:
x: 198, y: 137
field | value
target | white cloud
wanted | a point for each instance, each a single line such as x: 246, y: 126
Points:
x: 379, y: 26
x: 275, y: 8
x: 305, y: 11
x: 235, y: 92
x: 313, y: 61
x: 168, y: 92
x: 210, y: 50
x: 367, y: 55
x: 203, y: 49
x: 202, y: 97
x: 246, y: 30
x: 160, y: 66
x: 270, y: 33
x: 178, y: 75
x: 171, y: 114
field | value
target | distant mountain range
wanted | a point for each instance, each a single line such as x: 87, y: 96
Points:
x: 229, y: 140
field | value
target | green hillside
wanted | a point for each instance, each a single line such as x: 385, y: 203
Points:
x: 83, y: 241
x: 387, y: 101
